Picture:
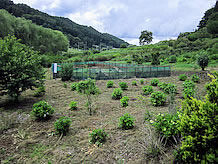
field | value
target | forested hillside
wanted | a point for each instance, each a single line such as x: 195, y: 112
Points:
x: 41, y: 39
x: 78, y: 35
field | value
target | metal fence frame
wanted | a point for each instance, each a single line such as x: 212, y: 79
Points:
x: 97, y: 70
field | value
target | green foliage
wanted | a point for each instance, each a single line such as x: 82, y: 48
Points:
x: 198, y: 126
x: 142, y: 81
x: 123, y: 85
x: 73, y: 86
x: 158, y: 98
x: 182, y: 77
x: 117, y: 93
x: 88, y: 88
x: 42, y: 110
x: 170, y: 88
x: 124, y: 101
x: 145, y: 37
x: 40, y: 91
x: 203, y: 61
x: 73, y: 105
x: 188, y: 84
x: 66, y: 72
x: 195, y: 78
x: 98, y: 137
x: 62, y: 125
x: 155, y: 58
x: 126, y: 121
x: 65, y: 85
x: 79, y: 36
x: 166, y: 125
x: 154, y: 82
x: 20, y: 68
x: 123, y: 45
x: 189, y: 89
x: 110, y: 84
x: 212, y: 88
x: 148, y: 115
x: 40, y: 38
x: 134, y: 83
x: 162, y: 85
x: 172, y: 59
x: 147, y: 90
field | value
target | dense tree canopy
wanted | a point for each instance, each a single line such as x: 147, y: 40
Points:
x: 145, y: 37
x: 20, y: 67
x: 78, y: 35
x: 40, y: 38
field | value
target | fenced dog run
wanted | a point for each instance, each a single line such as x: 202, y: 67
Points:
x: 106, y: 70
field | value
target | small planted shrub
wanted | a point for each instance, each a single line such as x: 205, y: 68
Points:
x: 182, y: 77
x: 154, y: 82
x: 134, y: 83
x: 123, y: 85
x: 73, y: 86
x: 170, y: 88
x: 89, y: 89
x: 195, y: 78
x: 189, y: 89
x: 117, y: 94
x: 40, y: 91
x: 162, y: 85
x: 42, y: 110
x: 188, y: 84
x: 167, y: 125
x: 73, y: 105
x: 147, y: 90
x: 62, y: 125
x: 142, y: 81
x: 124, y: 101
x: 98, y: 137
x: 110, y: 84
x: 126, y: 121
x: 158, y: 98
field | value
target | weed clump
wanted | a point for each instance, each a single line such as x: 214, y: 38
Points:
x: 73, y: 105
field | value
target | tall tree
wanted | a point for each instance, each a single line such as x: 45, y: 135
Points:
x: 145, y: 37
x: 20, y: 67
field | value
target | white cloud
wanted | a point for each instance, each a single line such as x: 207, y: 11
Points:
x: 127, y: 18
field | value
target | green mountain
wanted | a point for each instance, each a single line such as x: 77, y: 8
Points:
x: 78, y: 35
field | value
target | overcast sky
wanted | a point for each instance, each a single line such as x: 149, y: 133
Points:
x: 127, y: 18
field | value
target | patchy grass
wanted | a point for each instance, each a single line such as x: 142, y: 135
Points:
x: 25, y: 140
